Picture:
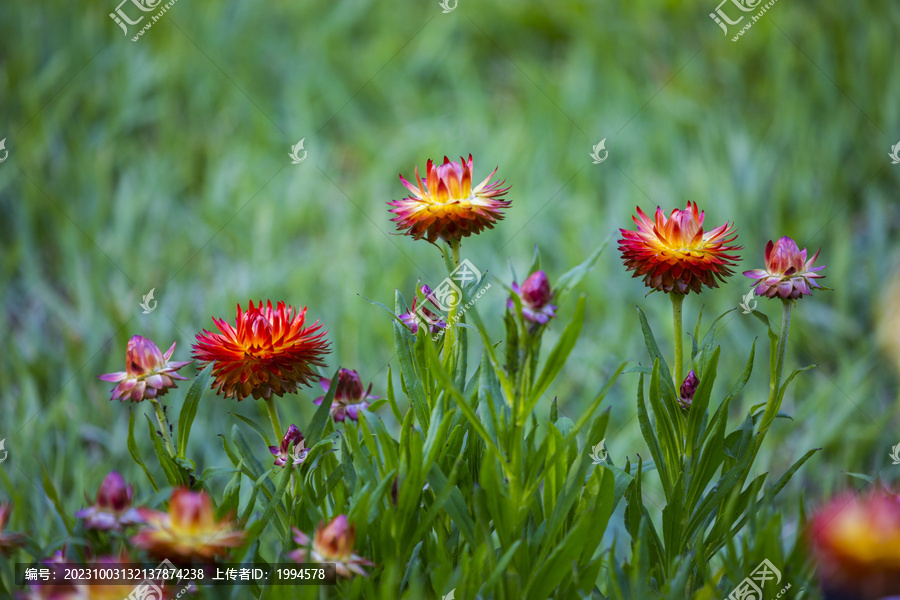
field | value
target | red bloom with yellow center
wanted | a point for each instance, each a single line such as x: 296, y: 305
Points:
x: 333, y: 543
x: 675, y: 254
x: 445, y: 205
x: 188, y: 531
x: 787, y: 274
x: 857, y: 544
x: 148, y: 372
x: 269, y: 352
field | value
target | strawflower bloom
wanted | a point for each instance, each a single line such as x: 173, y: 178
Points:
x: 688, y: 388
x: 8, y: 541
x: 333, y: 543
x: 675, y: 254
x: 535, y: 294
x: 350, y: 397
x: 148, y: 372
x: 787, y: 274
x: 285, y: 453
x: 269, y: 352
x: 188, y: 531
x: 414, y: 316
x: 112, y: 509
x: 445, y: 205
x: 856, y: 541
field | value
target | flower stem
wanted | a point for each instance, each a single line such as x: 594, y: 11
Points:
x: 273, y: 417
x: 773, y: 405
x: 163, y: 426
x: 677, y: 301
x: 450, y: 337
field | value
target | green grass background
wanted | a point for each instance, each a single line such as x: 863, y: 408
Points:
x: 163, y: 164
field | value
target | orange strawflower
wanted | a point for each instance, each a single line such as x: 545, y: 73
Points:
x: 675, y: 255
x: 188, y: 531
x: 445, y: 205
x: 269, y: 352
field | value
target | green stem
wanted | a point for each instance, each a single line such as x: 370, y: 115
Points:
x: 273, y: 417
x: 677, y: 301
x: 163, y: 426
x: 450, y: 337
x: 773, y: 405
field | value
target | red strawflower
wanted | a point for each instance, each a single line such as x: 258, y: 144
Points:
x: 445, y: 205
x: 269, y: 352
x: 674, y: 254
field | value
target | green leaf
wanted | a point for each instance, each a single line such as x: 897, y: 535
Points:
x: 653, y: 349
x: 189, y: 408
x: 409, y: 378
x: 573, y: 277
x: 650, y: 437
x: 174, y: 474
x: 319, y: 420
x: 557, y: 359
x: 53, y: 496
x: 257, y: 428
x: 135, y: 455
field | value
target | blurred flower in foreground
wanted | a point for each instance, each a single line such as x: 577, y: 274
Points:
x: 332, y: 544
x: 674, y: 254
x: 148, y: 372
x: 856, y: 540
x: 59, y: 591
x: 112, y: 509
x: 269, y: 352
x: 188, y: 531
x: 444, y: 204
x: 536, y: 295
x: 688, y: 388
x: 413, y: 316
x: 350, y: 397
x: 787, y: 274
x: 8, y: 541
x: 284, y: 453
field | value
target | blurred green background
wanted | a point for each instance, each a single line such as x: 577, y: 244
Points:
x: 163, y: 163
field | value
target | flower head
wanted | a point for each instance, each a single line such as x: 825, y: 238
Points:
x: 423, y: 314
x: 856, y: 540
x: 674, y: 254
x: 8, y: 541
x: 188, y: 531
x: 350, y: 397
x: 688, y: 388
x: 285, y: 453
x: 333, y: 543
x: 445, y: 205
x: 112, y: 509
x: 269, y: 352
x: 535, y: 294
x: 787, y: 274
x: 148, y: 372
